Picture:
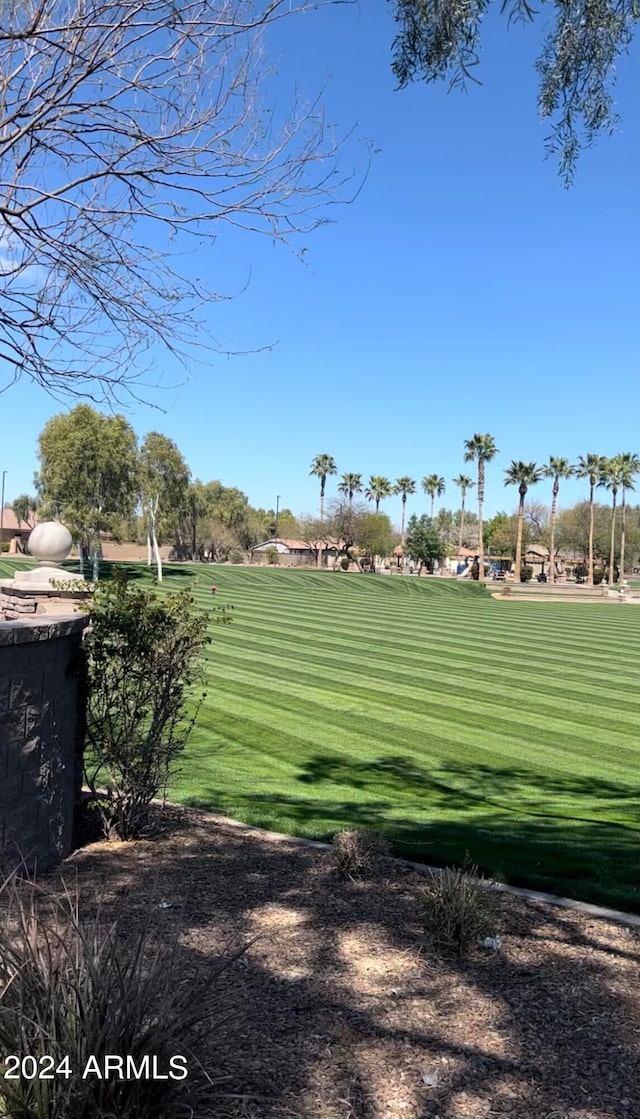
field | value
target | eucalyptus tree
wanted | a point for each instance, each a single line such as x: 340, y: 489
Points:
x: 404, y: 486
x: 321, y: 467
x: 88, y: 474
x: 378, y: 489
x: 630, y: 464
x: 591, y: 466
x: 164, y: 486
x: 464, y: 483
x: 350, y: 485
x: 523, y: 475
x: 556, y: 469
x: 480, y: 449
x: 435, y: 486
x: 24, y: 507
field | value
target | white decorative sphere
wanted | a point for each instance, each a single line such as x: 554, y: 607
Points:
x: 50, y: 542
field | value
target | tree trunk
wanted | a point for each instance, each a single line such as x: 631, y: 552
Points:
x: 590, y: 565
x: 319, y: 555
x: 433, y: 501
x: 404, y: 503
x: 377, y: 504
x: 480, y: 509
x: 461, y: 525
x: 95, y: 552
x: 623, y: 530
x: 552, y: 542
x: 518, y: 571
x: 612, y: 548
x: 149, y: 556
x: 154, y: 542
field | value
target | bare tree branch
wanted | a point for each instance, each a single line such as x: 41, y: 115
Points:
x: 127, y: 126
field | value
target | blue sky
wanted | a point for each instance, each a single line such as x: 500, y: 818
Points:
x: 463, y: 290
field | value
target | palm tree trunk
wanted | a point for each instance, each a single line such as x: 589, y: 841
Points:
x: 623, y: 529
x: 433, y: 499
x: 377, y: 504
x: 612, y: 548
x: 461, y: 525
x: 480, y: 509
x: 404, y: 502
x: 552, y: 542
x: 320, y: 549
x: 590, y: 569
x: 518, y: 571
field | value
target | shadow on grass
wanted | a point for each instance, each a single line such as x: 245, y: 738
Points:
x: 557, y: 833
x: 307, y: 1041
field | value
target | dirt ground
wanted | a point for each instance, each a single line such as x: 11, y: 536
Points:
x: 340, y: 1011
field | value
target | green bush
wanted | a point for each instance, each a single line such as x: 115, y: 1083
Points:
x: 460, y: 909
x: 4, y: 545
x: 598, y: 576
x: 272, y: 555
x: 236, y: 557
x: 71, y: 991
x: 355, y: 853
x: 526, y: 573
x: 142, y: 665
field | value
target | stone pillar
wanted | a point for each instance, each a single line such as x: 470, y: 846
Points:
x: 41, y: 722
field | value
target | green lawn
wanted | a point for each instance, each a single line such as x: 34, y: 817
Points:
x: 430, y: 711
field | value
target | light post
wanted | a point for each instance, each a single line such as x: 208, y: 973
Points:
x: 4, y: 474
x: 277, y: 511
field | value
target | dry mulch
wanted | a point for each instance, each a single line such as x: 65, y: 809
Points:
x: 341, y: 1010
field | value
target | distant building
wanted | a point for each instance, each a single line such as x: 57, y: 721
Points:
x: 14, y: 530
x: 297, y: 551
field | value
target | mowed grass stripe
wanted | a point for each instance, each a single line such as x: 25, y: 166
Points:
x: 496, y: 646
x: 427, y: 663
x: 431, y: 705
x: 419, y: 736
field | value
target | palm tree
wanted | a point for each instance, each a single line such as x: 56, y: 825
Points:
x: 378, y: 489
x: 556, y: 468
x: 630, y: 467
x: 481, y: 449
x: 321, y: 467
x: 435, y: 487
x: 522, y: 475
x: 591, y: 467
x: 350, y: 484
x: 404, y: 486
x: 612, y: 478
x: 465, y: 483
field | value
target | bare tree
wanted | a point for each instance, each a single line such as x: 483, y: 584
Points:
x: 125, y: 126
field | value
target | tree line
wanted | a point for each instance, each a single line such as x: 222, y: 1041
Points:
x: 616, y: 474
x: 99, y: 478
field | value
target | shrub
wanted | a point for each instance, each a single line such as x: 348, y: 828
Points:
x: 526, y: 573
x: 4, y: 546
x: 72, y: 991
x: 272, y: 555
x: 598, y: 576
x: 236, y: 557
x: 355, y: 853
x: 142, y: 661
x: 460, y: 909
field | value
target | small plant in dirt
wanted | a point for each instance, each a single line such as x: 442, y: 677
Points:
x: 143, y: 667
x: 73, y: 993
x: 356, y: 852
x: 460, y: 909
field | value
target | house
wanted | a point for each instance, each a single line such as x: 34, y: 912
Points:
x: 295, y: 552
x: 14, y: 530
